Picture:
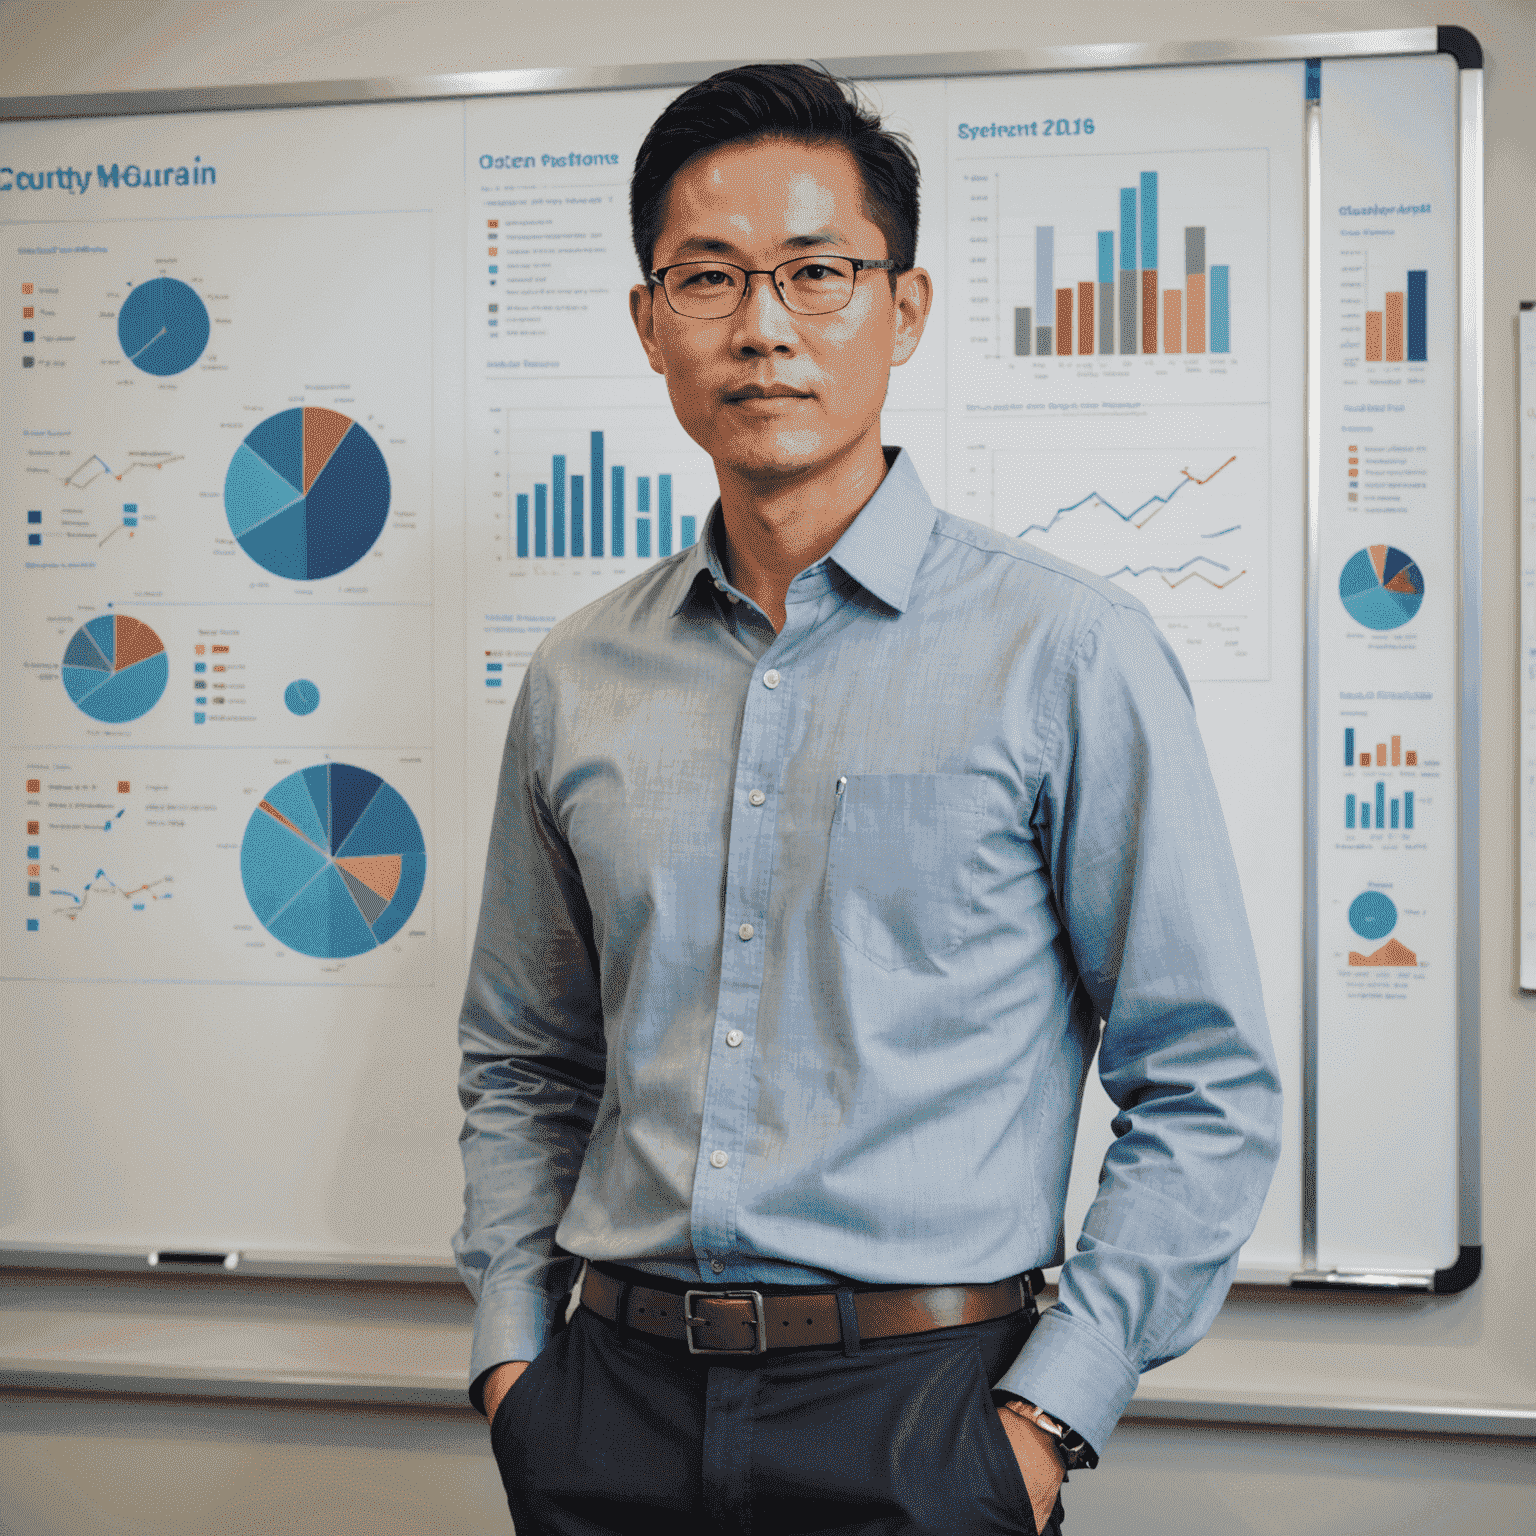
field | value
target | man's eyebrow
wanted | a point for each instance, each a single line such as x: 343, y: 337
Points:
x: 713, y: 245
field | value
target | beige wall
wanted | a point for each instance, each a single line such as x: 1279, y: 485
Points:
x: 98, y: 1462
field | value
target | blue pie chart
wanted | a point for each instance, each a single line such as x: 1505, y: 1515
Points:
x: 333, y: 861
x: 301, y: 696
x: 115, y: 668
x: 307, y: 493
x: 1381, y: 587
x: 163, y: 326
x: 1372, y: 915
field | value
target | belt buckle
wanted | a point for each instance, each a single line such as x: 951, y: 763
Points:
x: 690, y: 1322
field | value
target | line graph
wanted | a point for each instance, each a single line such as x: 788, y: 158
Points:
x: 149, y: 461
x: 1185, y: 529
x: 1165, y: 571
x: 1155, y: 501
x: 102, y: 885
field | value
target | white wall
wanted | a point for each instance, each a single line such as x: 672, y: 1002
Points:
x: 99, y: 1462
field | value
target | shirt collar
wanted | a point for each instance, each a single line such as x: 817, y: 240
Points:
x: 880, y: 549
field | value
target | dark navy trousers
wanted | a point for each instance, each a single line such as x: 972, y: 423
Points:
x: 610, y: 1431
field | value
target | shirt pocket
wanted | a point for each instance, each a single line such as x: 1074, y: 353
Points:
x: 902, y: 866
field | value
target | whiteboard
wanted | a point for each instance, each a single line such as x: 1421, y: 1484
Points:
x: 333, y: 411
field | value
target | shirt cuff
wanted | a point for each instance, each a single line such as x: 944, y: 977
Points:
x: 1076, y: 1376
x: 510, y: 1324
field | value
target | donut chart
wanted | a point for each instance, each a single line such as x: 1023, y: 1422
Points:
x: 115, y: 668
x: 333, y: 861
x: 1373, y: 915
x: 307, y: 493
x: 163, y: 326
x: 1381, y: 587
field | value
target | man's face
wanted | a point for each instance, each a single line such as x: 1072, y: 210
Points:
x: 767, y: 393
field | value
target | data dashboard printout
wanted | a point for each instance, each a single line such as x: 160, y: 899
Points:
x: 1114, y: 351
x: 1387, y: 623
x: 217, y: 461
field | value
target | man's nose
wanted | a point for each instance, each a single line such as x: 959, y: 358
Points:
x: 763, y: 322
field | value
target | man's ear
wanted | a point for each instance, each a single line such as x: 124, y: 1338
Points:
x: 642, y: 310
x: 913, y: 299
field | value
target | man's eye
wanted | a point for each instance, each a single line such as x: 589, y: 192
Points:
x: 816, y: 272
x: 707, y: 277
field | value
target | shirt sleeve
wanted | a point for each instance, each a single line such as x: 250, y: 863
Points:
x: 1145, y: 883
x: 533, y: 1062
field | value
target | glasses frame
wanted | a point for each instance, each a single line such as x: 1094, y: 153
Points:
x: 858, y: 263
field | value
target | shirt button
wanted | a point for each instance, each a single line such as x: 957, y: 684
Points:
x: 770, y: 678
x: 719, y: 1159
x: 735, y: 1038
x: 757, y: 797
x: 745, y: 931
x: 717, y: 1266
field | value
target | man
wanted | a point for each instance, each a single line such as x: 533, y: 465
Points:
x: 820, y: 851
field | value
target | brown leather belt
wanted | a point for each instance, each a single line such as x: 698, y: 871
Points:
x: 740, y: 1321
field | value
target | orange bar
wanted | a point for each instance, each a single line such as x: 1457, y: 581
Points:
x: 1373, y: 335
x: 1063, y: 322
x: 1365, y: 759
x: 1149, y: 309
x: 1397, y: 751
x: 1085, y: 319
x: 1381, y: 754
x: 1394, y: 321
x: 1173, y: 320
x: 1413, y: 760
x: 1194, y: 285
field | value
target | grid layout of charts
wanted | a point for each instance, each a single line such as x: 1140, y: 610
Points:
x: 307, y: 493
x: 333, y: 861
x: 115, y: 668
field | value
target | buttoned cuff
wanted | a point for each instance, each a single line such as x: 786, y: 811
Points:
x: 511, y: 1323
x: 1076, y: 1375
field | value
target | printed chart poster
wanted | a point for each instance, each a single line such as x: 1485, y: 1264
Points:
x: 1125, y: 339
x: 219, y: 442
x: 1387, y: 623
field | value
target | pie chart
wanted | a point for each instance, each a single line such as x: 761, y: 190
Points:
x: 115, y: 668
x: 162, y: 326
x: 307, y: 493
x: 333, y: 861
x: 1372, y: 915
x: 1381, y: 587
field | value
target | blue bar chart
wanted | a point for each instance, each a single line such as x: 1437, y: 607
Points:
x: 572, y: 516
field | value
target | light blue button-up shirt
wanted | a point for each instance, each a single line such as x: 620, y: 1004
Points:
x: 794, y: 949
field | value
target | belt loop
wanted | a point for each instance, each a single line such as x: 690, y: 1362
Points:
x: 621, y: 1316
x: 848, y: 1320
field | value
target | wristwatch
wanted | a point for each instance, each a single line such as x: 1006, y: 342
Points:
x: 1073, y: 1450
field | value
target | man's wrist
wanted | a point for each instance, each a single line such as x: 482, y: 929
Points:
x: 1071, y: 1449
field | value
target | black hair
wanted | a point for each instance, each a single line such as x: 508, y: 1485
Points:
x: 778, y: 101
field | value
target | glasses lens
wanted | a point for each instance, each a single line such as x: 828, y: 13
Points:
x: 706, y: 289
x: 816, y: 285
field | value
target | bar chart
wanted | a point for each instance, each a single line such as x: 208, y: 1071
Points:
x: 570, y: 515
x: 1398, y: 332
x: 1393, y: 749
x: 1079, y: 269
x: 1120, y: 310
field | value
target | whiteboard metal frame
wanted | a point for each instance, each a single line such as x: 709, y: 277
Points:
x: 1298, y: 47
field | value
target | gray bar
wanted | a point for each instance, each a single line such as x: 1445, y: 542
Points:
x: 1106, y: 307
x: 1194, y: 250
x: 1022, y: 334
x: 1043, y: 340
x: 1045, y: 268
x: 1129, y: 281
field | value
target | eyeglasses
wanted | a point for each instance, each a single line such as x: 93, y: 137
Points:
x: 806, y: 285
